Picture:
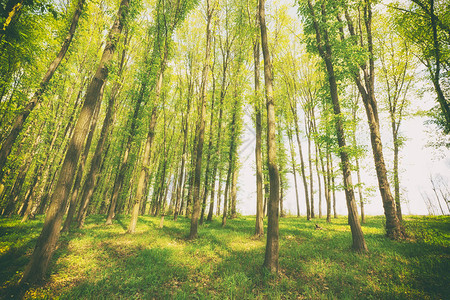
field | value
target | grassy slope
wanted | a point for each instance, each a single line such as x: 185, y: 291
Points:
x: 105, y: 263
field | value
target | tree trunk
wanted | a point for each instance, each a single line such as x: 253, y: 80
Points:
x: 47, y: 180
x: 20, y: 179
x: 318, y: 181
x: 118, y: 182
x: 359, y: 243
x: 311, y: 181
x: 208, y: 158
x: 396, y: 178
x: 333, y: 184
x: 271, y: 256
x: 226, y: 194
x: 259, y: 225
x: 294, y: 169
x: 211, y: 200
x: 94, y: 172
x: 361, y: 198
x: 219, y: 193
x: 436, y: 194
x: 281, y: 196
x: 46, y: 165
x: 223, y: 89
x: 302, y: 162
x: 162, y: 189
x: 233, y: 213
x: 173, y: 193
x: 143, y: 176
x: 201, y: 127
x: 394, y: 229
x: 443, y: 102
x: 183, y: 162
x: 327, y: 180
x: 45, y: 245
x: 73, y: 198
x: 29, y: 198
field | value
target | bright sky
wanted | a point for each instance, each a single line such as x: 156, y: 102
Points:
x: 417, y: 163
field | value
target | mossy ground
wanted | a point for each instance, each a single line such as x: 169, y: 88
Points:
x: 103, y: 262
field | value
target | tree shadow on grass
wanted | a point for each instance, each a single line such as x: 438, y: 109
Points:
x: 14, y: 260
x: 119, y: 220
x: 18, y: 239
x: 132, y: 273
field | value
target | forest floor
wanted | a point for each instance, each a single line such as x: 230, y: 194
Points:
x: 103, y: 262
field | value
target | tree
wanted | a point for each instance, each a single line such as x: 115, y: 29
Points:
x: 94, y: 172
x: 429, y: 31
x: 271, y: 256
x: 325, y: 50
x: 45, y: 245
x: 354, y: 125
x: 366, y: 87
x: 294, y: 168
x: 259, y: 225
x: 397, y: 75
x: 201, y: 125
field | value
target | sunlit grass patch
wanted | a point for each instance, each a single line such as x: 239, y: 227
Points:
x: 105, y: 262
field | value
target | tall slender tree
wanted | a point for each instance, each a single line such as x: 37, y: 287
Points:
x: 201, y: 123
x: 366, y: 87
x: 318, y: 22
x: 271, y: 255
x: 45, y: 245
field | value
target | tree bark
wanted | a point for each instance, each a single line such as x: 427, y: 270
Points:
x: 29, y: 199
x: 20, y: 179
x: 208, y: 158
x: 233, y: 212
x: 443, y: 102
x: 87, y: 146
x: 271, y: 255
x: 333, y: 187
x: 219, y: 193
x: 183, y: 161
x: 302, y: 162
x: 231, y: 163
x: 361, y: 198
x: 319, y: 183
x: 49, y: 176
x: 327, y: 180
x: 226, y: 194
x: 259, y: 225
x: 282, y: 215
x: 294, y: 169
x: 223, y: 91
x: 311, y: 180
x: 143, y: 175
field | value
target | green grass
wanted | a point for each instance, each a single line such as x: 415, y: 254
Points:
x: 102, y: 262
